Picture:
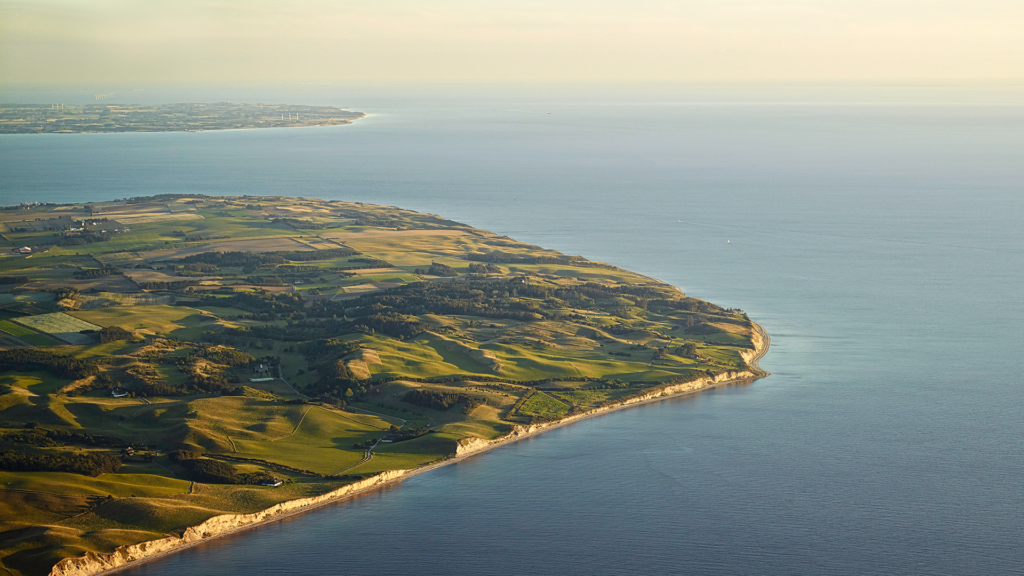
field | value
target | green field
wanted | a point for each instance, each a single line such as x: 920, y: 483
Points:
x: 119, y: 485
x: 543, y: 406
x: 322, y: 443
x: 31, y: 336
x: 590, y: 397
x: 61, y: 325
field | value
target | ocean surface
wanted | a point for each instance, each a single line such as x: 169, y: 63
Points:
x: 877, y: 234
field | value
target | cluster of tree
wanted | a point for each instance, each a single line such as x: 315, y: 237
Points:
x: 250, y: 261
x: 55, y: 438
x: 194, y: 237
x: 694, y: 305
x: 295, y: 268
x: 488, y: 268
x: 77, y: 463
x: 315, y: 350
x: 161, y: 389
x: 396, y: 435
x: 202, y: 368
x: 205, y: 469
x: 91, y: 273
x: 28, y: 359
x: 688, y: 350
x: 87, y: 237
x: 260, y: 301
x: 402, y: 326
x: 65, y: 292
x: 214, y: 471
x: 441, y: 400
x: 33, y: 437
x: 100, y: 381
x: 115, y: 333
x: 472, y: 298
x: 202, y: 382
x: 220, y: 355
x: 314, y: 255
x: 300, y: 224
x: 337, y: 384
x: 438, y: 269
x: 13, y: 279
x: 197, y: 269
x: 513, y: 298
x: 197, y: 382
x: 374, y: 222
x: 169, y: 286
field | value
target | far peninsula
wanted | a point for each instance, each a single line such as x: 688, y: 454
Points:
x: 190, y: 117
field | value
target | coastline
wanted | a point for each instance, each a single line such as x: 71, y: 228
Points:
x: 124, y: 557
x: 345, y: 123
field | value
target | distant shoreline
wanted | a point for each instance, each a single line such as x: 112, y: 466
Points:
x: 182, y: 117
x: 389, y: 479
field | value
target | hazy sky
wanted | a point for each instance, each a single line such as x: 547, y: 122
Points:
x: 125, y: 41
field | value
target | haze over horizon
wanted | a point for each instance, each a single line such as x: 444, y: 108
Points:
x: 117, y: 41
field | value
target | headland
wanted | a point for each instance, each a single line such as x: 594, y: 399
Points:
x: 182, y: 367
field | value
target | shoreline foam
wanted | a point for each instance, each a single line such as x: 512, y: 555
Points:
x: 93, y: 564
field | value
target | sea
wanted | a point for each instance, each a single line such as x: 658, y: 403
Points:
x: 875, y: 231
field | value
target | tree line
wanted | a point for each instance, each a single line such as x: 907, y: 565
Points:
x: 498, y: 256
x: 214, y: 471
x: 57, y: 438
x: 28, y: 359
x: 77, y: 463
x: 441, y: 400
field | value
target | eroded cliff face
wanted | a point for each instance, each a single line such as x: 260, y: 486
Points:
x: 92, y: 563
x: 470, y: 445
x: 757, y: 337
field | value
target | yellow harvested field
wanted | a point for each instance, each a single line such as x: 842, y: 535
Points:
x: 321, y: 244
x: 293, y: 210
x: 157, y: 217
x: 119, y: 258
x: 372, y: 271
x: 145, y: 275
x: 371, y: 287
x: 346, y: 236
x: 416, y: 250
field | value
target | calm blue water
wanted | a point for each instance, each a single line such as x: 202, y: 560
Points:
x: 878, y: 238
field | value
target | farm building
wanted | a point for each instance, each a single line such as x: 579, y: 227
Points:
x: 24, y: 250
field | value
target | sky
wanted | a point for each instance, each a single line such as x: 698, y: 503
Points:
x: 224, y: 41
